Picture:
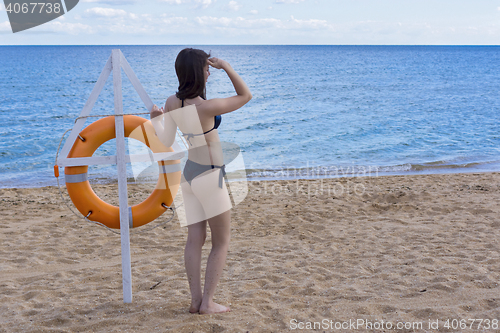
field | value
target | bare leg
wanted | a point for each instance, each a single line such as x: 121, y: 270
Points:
x: 221, y: 231
x: 197, y: 234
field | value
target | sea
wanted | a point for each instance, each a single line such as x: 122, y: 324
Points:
x: 317, y: 111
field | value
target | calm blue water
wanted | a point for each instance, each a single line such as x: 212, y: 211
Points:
x: 316, y: 111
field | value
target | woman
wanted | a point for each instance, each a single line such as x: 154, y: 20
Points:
x: 205, y: 196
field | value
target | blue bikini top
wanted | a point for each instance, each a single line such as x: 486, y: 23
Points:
x: 217, y: 121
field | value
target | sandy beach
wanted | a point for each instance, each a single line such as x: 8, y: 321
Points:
x: 418, y: 252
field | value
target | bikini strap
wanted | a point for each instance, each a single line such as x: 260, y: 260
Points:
x: 182, y: 103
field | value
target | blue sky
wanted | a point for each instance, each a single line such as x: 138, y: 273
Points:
x: 206, y: 22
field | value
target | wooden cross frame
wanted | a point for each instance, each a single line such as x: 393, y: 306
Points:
x: 115, y: 64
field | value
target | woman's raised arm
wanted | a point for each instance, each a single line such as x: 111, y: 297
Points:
x: 217, y: 106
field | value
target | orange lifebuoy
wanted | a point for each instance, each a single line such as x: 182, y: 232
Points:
x: 85, y: 199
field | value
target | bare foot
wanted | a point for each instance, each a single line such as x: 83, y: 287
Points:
x: 213, y: 308
x: 195, y: 306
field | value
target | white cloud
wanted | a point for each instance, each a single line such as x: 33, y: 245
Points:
x: 265, y: 30
x: 213, y: 21
x: 200, y: 3
x: 175, y: 21
x: 105, y: 12
x: 254, y: 12
x: 71, y: 28
x: 176, y: 2
x: 204, y: 3
x: 312, y: 24
x: 289, y: 1
x: 5, y: 26
x: 234, y: 6
x: 237, y: 22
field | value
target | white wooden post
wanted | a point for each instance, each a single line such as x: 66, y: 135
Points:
x: 121, y: 165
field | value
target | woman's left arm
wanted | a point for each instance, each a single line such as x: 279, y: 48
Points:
x: 164, y: 126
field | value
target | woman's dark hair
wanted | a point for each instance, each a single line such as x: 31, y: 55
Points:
x: 189, y: 68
